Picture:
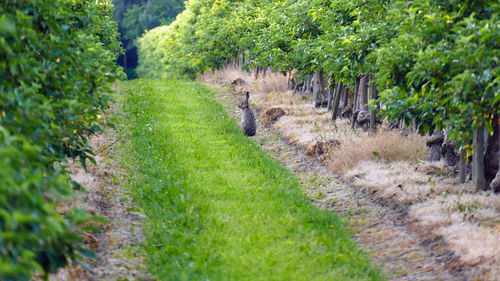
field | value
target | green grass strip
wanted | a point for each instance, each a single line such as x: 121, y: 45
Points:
x: 218, y: 207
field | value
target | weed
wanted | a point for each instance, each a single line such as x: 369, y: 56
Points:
x: 320, y: 196
x: 389, y: 146
x: 467, y: 207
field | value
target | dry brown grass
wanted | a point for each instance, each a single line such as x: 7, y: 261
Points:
x: 225, y: 76
x: 399, y: 181
x: 305, y: 129
x: 387, y: 146
x: 271, y: 82
x: 448, y: 209
x: 475, y: 244
x: 468, y: 221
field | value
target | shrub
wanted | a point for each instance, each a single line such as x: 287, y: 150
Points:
x: 33, y: 235
x: 57, y: 59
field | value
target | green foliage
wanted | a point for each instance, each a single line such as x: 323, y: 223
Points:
x: 57, y: 61
x: 434, y: 61
x: 136, y: 16
x: 33, y: 235
x: 220, y: 208
x: 442, y: 66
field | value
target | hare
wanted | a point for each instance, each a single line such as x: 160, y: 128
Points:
x: 248, y: 125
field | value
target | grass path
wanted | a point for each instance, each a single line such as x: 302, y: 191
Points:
x: 218, y: 207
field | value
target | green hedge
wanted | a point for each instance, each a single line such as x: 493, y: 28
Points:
x: 57, y: 60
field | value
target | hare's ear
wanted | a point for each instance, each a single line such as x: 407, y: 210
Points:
x: 247, y: 94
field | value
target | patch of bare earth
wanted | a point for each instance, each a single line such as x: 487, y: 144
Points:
x: 410, y: 215
x: 119, y: 255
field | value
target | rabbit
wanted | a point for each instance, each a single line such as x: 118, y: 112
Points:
x: 248, y: 125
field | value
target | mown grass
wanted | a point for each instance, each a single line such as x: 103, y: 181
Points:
x: 218, y: 207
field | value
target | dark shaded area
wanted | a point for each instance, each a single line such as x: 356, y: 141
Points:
x: 136, y: 16
x: 129, y: 61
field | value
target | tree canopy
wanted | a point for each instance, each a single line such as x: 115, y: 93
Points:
x: 435, y: 62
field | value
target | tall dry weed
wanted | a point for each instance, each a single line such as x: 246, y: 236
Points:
x: 271, y: 82
x: 384, y: 145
